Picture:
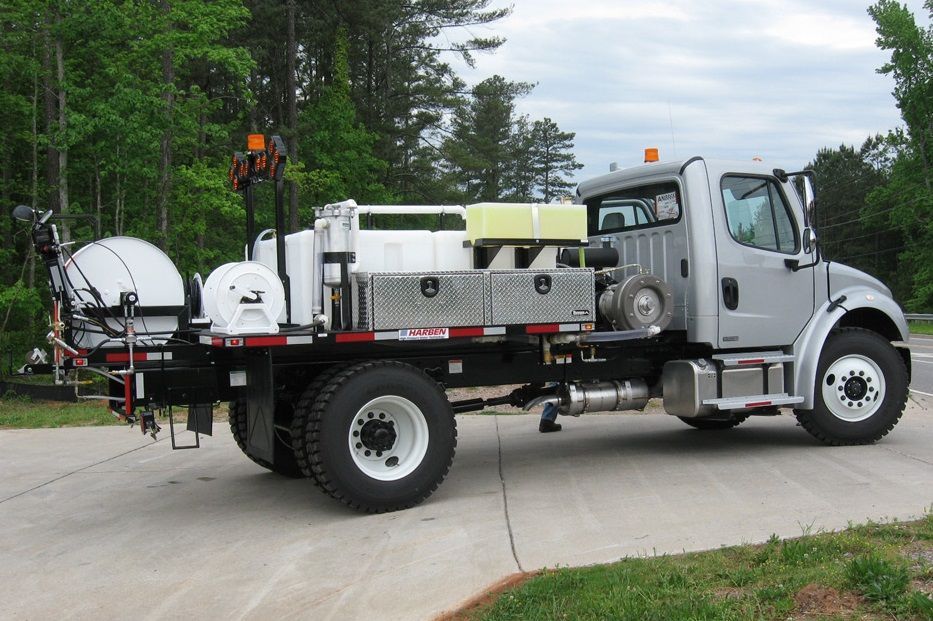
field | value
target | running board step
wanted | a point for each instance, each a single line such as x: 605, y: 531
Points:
x: 753, y: 358
x: 753, y: 401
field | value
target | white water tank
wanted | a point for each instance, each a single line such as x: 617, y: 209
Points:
x: 299, y: 265
x: 115, y: 265
x: 395, y: 251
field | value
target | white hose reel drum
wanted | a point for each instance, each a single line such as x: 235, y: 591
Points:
x: 244, y: 298
x: 115, y: 265
x: 641, y: 301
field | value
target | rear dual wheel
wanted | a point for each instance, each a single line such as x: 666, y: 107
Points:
x: 377, y: 436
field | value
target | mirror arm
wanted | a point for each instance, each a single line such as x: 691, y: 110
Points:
x: 794, y: 264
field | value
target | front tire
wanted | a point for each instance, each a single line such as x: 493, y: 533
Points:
x: 861, y: 389
x: 380, y: 436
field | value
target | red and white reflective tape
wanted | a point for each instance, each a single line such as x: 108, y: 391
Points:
x: 138, y: 356
x: 408, y: 334
x: 255, y: 341
x: 553, y: 328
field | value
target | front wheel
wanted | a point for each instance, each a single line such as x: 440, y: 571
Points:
x: 380, y: 436
x: 861, y: 391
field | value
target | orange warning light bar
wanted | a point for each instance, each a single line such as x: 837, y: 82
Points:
x: 651, y: 155
x: 255, y: 142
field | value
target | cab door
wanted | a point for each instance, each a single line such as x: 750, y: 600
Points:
x: 763, y: 302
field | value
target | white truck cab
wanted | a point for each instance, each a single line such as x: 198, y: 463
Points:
x: 733, y: 240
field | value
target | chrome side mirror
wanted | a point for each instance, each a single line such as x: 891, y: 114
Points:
x: 809, y: 240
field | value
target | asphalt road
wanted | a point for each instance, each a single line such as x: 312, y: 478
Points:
x: 102, y: 523
x: 921, y: 358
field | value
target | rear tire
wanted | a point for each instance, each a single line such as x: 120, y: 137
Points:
x: 711, y: 424
x: 380, y: 436
x: 300, y: 418
x: 285, y: 463
x: 860, y: 392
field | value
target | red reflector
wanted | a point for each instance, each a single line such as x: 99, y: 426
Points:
x: 125, y: 357
x: 544, y: 328
x: 355, y: 337
x: 752, y: 361
x: 466, y: 332
x: 216, y: 341
x: 757, y: 404
x: 264, y: 341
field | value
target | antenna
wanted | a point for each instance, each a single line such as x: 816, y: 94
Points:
x: 670, y: 116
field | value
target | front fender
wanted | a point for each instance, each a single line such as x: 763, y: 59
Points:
x: 809, y: 344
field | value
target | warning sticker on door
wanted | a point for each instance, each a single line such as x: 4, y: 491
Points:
x: 666, y: 207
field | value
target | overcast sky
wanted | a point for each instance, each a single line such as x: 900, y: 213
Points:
x: 737, y: 79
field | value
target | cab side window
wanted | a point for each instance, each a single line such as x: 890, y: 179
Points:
x: 634, y: 208
x: 758, y: 214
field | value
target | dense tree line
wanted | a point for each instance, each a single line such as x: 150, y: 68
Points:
x: 876, y: 202
x: 125, y: 113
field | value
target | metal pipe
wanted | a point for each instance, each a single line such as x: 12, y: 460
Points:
x: 102, y: 398
x: 250, y: 221
x: 280, y: 246
x: 541, y: 400
x: 457, y: 210
x: 622, y: 335
x: 576, y: 398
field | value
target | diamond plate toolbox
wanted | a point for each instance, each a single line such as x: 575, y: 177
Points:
x: 540, y: 296
x: 395, y: 300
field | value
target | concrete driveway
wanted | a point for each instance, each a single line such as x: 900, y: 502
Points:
x: 101, y: 523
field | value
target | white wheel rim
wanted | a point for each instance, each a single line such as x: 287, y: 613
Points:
x: 388, y: 438
x: 853, y: 388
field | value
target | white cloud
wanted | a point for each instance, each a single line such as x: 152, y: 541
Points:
x: 738, y: 78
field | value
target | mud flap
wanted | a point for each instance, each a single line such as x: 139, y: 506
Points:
x: 201, y: 418
x: 260, y: 406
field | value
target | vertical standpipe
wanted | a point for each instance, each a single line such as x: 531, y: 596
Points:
x: 280, y: 246
x: 339, y: 229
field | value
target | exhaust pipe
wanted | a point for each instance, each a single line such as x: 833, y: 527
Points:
x: 579, y: 397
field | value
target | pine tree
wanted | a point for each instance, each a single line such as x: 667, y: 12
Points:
x: 338, y: 149
x: 478, y: 150
x: 552, y: 159
x: 520, y: 180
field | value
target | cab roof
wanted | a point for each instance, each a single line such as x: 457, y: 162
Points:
x: 645, y: 172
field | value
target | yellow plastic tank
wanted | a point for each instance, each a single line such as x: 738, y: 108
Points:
x: 525, y: 221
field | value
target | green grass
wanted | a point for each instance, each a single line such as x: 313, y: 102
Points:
x: 24, y: 413
x: 921, y: 327
x: 875, y: 571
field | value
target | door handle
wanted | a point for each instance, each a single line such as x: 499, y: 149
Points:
x: 730, y: 293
